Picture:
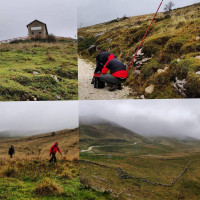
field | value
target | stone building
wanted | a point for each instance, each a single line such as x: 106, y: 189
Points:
x: 37, y: 29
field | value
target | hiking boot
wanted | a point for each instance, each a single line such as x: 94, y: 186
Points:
x: 119, y: 87
x: 113, y: 88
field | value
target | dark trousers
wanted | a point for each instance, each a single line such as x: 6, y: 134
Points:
x: 53, y: 158
x: 111, y: 80
x: 11, y: 155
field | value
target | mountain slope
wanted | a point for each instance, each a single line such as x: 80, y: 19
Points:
x: 94, y: 130
x: 170, y: 53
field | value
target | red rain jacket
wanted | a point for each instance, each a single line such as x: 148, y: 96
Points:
x: 55, y: 148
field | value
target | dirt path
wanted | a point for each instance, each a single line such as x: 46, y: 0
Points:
x: 88, y: 92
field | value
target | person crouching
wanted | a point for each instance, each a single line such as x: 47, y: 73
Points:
x: 117, y: 76
x: 53, y: 151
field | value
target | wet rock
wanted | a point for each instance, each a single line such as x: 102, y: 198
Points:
x: 55, y: 78
x: 179, y: 86
x: 92, y: 49
x: 150, y: 89
x: 159, y: 71
x: 58, y: 97
x: 142, y: 97
x: 140, y: 52
x: 35, y: 73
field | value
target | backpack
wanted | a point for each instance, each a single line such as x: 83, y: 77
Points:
x: 97, y: 81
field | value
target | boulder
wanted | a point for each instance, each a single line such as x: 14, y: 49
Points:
x: 149, y: 89
x: 198, y: 73
x: 178, y: 60
x: 92, y: 49
x: 142, y: 97
x: 198, y: 38
x: 55, y: 78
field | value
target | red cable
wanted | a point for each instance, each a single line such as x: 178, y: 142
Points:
x: 144, y: 37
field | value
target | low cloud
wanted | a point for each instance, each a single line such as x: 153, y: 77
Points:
x: 172, y: 118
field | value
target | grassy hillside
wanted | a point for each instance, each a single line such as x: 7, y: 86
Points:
x: 106, y: 133
x: 172, y: 46
x: 139, y: 169
x: 32, y: 70
x: 30, y: 176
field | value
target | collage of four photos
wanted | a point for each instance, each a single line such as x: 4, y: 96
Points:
x: 99, y: 100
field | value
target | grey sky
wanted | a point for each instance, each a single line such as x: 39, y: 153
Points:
x: 59, y: 15
x: 40, y: 117
x: 94, y: 11
x: 149, y: 117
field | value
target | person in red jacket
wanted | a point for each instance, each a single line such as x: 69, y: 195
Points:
x: 118, y: 73
x: 53, y: 151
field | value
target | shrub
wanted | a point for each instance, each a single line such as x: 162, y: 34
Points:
x: 51, y: 38
x: 47, y: 188
x: 9, y: 172
x: 85, y: 44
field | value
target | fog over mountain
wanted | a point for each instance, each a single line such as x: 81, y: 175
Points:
x: 171, y: 118
x: 31, y: 118
x: 92, y: 12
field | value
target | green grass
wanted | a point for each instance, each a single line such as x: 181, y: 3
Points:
x: 168, y: 40
x: 19, y: 62
x: 21, y: 180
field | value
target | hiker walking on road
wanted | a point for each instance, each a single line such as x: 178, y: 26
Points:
x: 53, y: 151
x: 117, y: 76
x: 11, y: 151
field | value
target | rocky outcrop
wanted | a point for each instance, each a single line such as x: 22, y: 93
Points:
x: 179, y: 87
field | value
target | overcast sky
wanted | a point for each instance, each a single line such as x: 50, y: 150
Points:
x: 96, y: 11
x: 40, y: 117
x: 149, y: 117
x: 59, y: 15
